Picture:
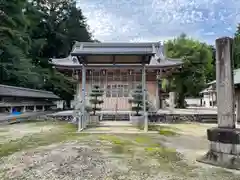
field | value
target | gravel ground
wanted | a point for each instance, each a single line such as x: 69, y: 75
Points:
x: 113, y: 157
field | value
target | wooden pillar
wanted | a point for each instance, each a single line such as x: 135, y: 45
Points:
x: 224, y: 139
x: 144, y: 98
x: 81, y: 120
x: 159, y: 90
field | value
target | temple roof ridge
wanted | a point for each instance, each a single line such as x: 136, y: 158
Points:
x: 155, y: 48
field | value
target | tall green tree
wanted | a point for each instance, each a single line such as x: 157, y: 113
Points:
x: 32, y: 32
x: 197, y: 67
x: 55, y: 26
x: 236, y: 48
x: 15, y: 64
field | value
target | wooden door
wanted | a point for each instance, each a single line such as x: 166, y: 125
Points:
x: 116, y: 97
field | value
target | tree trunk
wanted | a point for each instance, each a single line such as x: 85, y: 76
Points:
x: 180, y: 100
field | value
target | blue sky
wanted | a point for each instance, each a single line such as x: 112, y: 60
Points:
x: 159, y: 20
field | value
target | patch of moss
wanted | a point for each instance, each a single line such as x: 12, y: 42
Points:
x: 163, y: 130
x: 167, y: 132
x: 143, y: 139
x: 115, y: 140
x: 119, y: 145
x: 170, y: 160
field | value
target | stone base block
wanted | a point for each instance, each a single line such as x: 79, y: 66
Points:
x: 220, y: 159
x: 137, y: 120
x: 94, y: 120
x: 224, y: 148
x: 224, y: 135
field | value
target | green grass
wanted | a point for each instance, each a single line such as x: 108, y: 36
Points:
x: 63, y: 133
x: 143, y: 139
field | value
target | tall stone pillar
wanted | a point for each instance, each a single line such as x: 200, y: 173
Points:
x: 224, y: 139
x: 237, y: 107
x: 24, y: 109
x: 171, y: 100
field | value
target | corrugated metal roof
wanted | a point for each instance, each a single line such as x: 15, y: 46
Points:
x: 6, y: 90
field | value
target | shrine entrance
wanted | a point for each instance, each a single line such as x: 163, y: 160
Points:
x: 117, y: 85
x: 116, y: 57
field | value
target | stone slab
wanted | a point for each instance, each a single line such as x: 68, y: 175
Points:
x: 224, y: 135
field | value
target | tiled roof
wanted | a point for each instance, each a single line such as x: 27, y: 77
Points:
x: 6, y: 90
x: 158, y: 59
x: 98, y: 48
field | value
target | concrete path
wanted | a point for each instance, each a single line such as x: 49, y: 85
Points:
x: 189, y: 111
x: 115, y: 127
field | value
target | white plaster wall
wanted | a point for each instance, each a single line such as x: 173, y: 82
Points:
x: 193, y: 101
x: 207, y: 99
x: 190, y: 101
x: 59, y: 104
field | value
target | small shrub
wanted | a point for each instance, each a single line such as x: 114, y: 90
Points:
x: 137, y: 101
x: 95, y: 94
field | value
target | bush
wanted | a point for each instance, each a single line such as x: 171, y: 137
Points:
x: 95, y: 94
x: 137, y: 101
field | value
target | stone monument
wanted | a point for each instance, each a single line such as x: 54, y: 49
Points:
x: 225, y: 138
x: 172, y: 101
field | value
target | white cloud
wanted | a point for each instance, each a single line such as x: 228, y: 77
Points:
x: 155, y: 20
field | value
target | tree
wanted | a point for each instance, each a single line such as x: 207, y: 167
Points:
x: 95, y: 94
x: 32, y: 32
x: 137, y: 101
x: 197, y: 58
x: 55, y: 26
x: 15, y: 64
x: 236, y: 48
x: 212, y: 74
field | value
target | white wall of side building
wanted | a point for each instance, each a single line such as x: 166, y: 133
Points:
x: 59, y: 104
x: 209, y: 100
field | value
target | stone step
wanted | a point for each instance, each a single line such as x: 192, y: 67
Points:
x: 112, y: 129
x: 117, y: 117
